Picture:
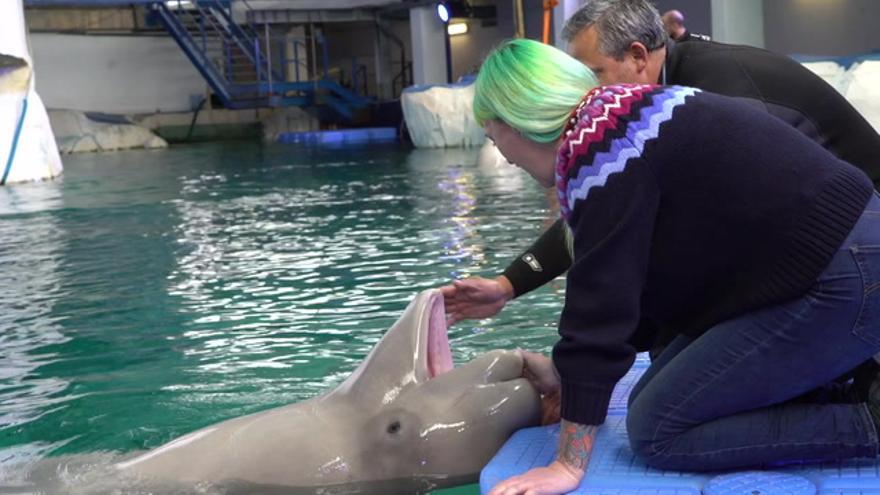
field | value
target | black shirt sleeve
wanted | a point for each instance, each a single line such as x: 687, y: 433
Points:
x: 545, y: 260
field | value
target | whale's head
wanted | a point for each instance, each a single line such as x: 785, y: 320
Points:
x: 423, y: 415
x: 411, y: 413
x: 405, y: 418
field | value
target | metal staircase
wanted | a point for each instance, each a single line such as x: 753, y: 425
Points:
x: 244, y: 65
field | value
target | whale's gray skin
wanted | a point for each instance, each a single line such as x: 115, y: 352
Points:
x: 405, y: 421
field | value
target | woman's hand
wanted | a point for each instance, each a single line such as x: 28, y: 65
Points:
x: 564, y: 474
x: 475, y: 297
x: 551, y: 480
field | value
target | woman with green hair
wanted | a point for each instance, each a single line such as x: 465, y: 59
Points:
x: 532, y: 87
x: 695, y: 214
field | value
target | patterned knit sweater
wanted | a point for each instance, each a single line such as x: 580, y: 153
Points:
x: 687, y: 208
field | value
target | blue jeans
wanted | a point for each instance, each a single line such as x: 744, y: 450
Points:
x: 725, y: 399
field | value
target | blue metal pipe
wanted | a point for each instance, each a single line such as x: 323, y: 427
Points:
x: 15, y: 137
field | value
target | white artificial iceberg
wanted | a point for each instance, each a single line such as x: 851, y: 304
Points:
x: 77, y: 133
x: 831, y: 72
x: 27, y: 147
x: 441, y: 116
x: 863, y: 90
x: 860, y: 84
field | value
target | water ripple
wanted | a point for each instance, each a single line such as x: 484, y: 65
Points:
x: 150, y: 293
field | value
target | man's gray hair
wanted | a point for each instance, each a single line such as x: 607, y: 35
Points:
x: 619, y: 23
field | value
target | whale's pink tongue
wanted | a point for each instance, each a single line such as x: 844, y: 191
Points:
x: 439, y: 354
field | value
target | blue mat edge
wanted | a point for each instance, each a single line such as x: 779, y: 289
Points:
x: 856, y: 476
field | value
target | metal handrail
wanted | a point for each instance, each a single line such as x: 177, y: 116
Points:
x: 255, y: 33
x: 283, y: 61
x: 405, y: 69
x: 270, y: 63
x: 227, y: 26
x: 405, y: 66
x: 361, y: 69
x: 251, y: 37
x: 199, y: 58
x: 221, y: 31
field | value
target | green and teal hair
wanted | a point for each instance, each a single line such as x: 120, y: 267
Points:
x: 532, y: 87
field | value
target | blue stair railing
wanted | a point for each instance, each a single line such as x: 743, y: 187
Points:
x: 246, y: 66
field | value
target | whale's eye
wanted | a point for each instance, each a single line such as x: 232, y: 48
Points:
x: 394, y: 427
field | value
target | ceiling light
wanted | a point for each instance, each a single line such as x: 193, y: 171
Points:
x: 457, y: 28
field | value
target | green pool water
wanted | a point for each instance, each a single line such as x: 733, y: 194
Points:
x: 150, y: 293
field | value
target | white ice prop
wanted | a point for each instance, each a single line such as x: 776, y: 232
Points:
x: 441, y: 116
x: 863, y: 90
x: 76, y: 133
x: 831, y: 72
x: 27, y: 147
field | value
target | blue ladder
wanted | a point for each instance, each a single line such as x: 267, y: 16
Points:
x: 234, y: 60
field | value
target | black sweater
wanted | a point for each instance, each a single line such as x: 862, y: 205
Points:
x: 687, y: 208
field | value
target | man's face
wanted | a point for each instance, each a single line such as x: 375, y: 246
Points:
x: 585, y: 47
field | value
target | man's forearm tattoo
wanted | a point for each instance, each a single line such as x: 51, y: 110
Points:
x: 576, y: 444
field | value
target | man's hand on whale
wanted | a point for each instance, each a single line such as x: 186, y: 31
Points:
x: 538, y: 369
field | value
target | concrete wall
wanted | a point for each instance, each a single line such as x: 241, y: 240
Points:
x: 822, y: 27
x: 739, y: 22
x: 815, y: 27
x: 85, y: 19
x: 114, y: 74
x: 347, y: 40
x: 469, y: 50
x: 428, y: 46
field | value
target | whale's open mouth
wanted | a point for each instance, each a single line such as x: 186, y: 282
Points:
x: 439, y: 355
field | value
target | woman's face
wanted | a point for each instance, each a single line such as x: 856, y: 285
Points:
x: 535, y: 158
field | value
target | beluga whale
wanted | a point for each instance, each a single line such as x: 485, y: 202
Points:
x: 405, y: 421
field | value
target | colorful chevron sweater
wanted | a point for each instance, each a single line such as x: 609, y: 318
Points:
x: 686, y: 208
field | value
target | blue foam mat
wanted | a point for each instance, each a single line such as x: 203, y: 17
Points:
x: 614, y: 470
x: 341, y: 137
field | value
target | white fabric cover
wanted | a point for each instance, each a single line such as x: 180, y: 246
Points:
x: 36, y: 155
x: 863, y: 90
x: 860, y: 85
x: 441, y: 117
x: 76, y: 133
x: 830, y: 71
